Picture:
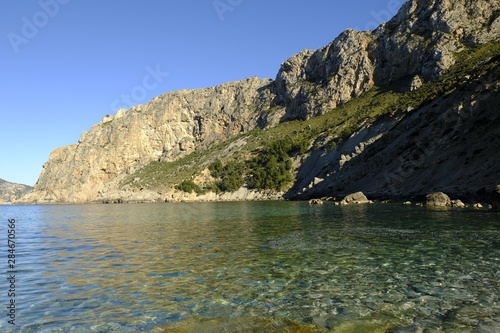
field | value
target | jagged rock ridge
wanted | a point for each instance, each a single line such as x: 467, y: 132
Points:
x: 417, y: 45
x: 419, y: 41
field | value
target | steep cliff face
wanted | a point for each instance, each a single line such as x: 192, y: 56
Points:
x: 10, y: 192
x: 420, y: 40
x: 312, y: 82
x: 418, y: 45
x: 167, y: 128
x: 422, y: 37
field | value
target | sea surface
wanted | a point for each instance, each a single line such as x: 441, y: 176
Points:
x: 157, y: 267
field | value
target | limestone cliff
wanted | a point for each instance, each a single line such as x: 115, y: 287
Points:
x: 418, y: 45
x: 419, y: 41
x: 167, y: 128
x: 10, y: 192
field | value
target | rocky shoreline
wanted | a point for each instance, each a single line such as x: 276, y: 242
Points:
x: 482, y: 200
x: 433, y: 200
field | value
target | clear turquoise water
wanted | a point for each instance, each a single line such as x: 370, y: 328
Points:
x: 132, y: 268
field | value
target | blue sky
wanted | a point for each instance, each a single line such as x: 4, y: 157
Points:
x: 65, y: 64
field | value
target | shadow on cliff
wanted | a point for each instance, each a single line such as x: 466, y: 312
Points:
x: 450, y: 144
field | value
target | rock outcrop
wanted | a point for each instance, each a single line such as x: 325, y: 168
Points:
x: 167, y: 128
x: 10, y: 192
x: 438, y: 199
x: 418, y: 42
x: 355, y: 198
x: 316, y: 202
x: 312, y: 82
x: 444, y: 145
x: 422, y: 37
x: 457, y: 204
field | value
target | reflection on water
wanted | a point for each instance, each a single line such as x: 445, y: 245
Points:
x: 129, y: 268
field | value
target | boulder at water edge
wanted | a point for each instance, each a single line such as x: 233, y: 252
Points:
x: 438, y: 199
x: 355, y: 198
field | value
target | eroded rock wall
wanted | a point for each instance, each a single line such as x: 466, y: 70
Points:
x: 419, y: 41
x: 167, y: 128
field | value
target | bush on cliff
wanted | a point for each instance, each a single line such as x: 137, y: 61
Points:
x: 230, y: 176
x: 189, y: 186
x: 272, y: 168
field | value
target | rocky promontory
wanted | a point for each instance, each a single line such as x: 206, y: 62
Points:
x: 10, y: 192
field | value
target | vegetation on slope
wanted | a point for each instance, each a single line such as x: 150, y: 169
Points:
x: 272, y: 167
x: 263, y: 161
x: 229, y: 176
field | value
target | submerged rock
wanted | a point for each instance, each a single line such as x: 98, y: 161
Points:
x: 242, y: 325
x: 355, y: 198
x: 363, y: 326
x: 438, y: 199
x: 488, y: 328
x: 106, y: 327
x: 407, y: 329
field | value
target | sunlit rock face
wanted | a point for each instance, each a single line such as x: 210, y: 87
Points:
x: 10, y: 192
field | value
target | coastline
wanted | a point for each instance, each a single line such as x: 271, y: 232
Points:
x: 483, y: 198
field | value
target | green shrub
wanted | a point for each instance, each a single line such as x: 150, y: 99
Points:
x: 230, y: 175
x: 272, y: 168
x: 216, y: 168
x: 348, y: 131
x: 213, y: 187
x: 189, y: 186
x: 269, y: 172
x: 231, y: 183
